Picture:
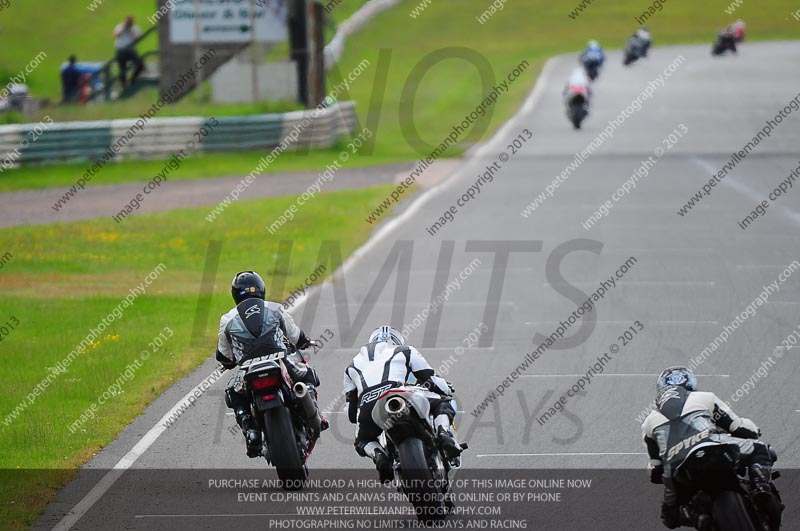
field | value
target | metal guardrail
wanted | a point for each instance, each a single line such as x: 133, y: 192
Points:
x: 160, y: 137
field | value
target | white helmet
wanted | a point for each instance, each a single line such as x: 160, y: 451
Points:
x: 388, y: 334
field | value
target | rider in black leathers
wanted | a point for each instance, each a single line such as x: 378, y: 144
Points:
x: 237, y: 343
x: 685, y: 419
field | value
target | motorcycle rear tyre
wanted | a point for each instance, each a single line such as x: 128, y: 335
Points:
x: 284, y: 453
x: 418, y: 482
x: 730, y: 513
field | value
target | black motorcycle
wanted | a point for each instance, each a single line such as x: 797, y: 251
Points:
x: 719, y: 496
x: 410, y: 439
x: 592, y: 69
x: 635, y: 49
x: 286, y: 414
x: 725, y: 41
x: 577, y: 108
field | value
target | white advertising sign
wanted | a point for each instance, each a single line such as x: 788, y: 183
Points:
x: 227, y: 20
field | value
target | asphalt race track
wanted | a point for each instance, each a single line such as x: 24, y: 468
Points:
x: 690, y: 276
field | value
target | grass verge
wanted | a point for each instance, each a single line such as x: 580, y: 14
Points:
x: 203, y: 166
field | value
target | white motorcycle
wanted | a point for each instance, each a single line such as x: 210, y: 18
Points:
x: 421, y: 469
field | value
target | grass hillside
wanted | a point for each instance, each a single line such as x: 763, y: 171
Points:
x: 60, y: 28
x: 531, y: 31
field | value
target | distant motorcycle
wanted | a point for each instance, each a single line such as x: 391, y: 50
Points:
x: 420, y: 467
x: 286, y: 415
x: 577, y: 105
x: 592, y: 69
x: 635, y: 49
x: 718, y: 492
x: 592, y: 59
x: 725, y: 41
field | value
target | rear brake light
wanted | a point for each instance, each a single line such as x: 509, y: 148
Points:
x: 268, y: 397
x: 271, y: 380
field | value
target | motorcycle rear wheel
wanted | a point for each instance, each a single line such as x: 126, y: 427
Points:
x: 730, y: 513
x: 576, y: 116
x: 417, y: 479
x: 284, y: 453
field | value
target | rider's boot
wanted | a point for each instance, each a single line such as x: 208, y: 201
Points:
x: 448, y: 444
x: 252, y: 435
x: 445, y: 438
x: 383, y: 463
x: 765, y: 499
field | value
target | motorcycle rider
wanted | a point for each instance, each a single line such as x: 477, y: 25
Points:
x: 643, y: 34
x: 578, y: 89
x: 593, y: 55
x: 386, y: 359
x: 256, y: 327
x: 578, y: 83
x: 683, y: 412
x: 737, y: 28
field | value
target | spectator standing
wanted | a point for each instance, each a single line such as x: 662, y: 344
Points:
x: 125, y: 37
x: 70, y: 81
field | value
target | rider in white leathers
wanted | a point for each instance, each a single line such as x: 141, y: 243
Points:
x: 387, y: 360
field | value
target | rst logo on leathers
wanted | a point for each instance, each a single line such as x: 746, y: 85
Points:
x: 374, y: 394
x: 252, y: 310
x: 687, y: 443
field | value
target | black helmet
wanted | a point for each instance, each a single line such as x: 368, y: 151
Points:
x: 247, y: 285
x: 676, y: 377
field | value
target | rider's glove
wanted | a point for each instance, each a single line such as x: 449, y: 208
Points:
x: 657, y: 474
x: 303, y: 342
x: 226, y: 362
x: 670, y: 516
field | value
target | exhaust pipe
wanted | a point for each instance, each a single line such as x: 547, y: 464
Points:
x: 396, y: 406
x: 301, y: 390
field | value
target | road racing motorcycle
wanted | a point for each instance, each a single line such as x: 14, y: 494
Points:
x: 715, y: 483
x: 421, y: 469
x: 592, y: 69
x: 635, y: 49
x: 286, y: 413
x: 577, y: 105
